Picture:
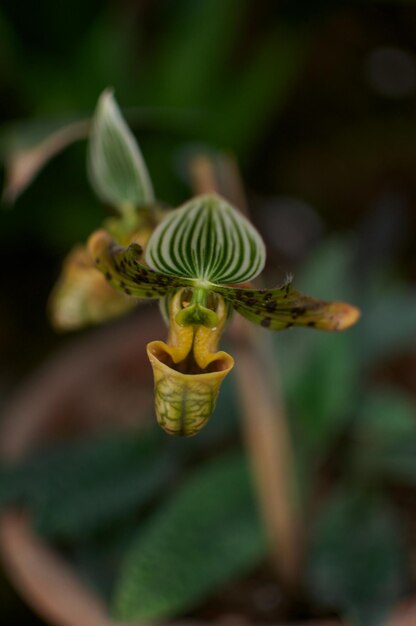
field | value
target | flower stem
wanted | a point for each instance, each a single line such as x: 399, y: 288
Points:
x: 265, y: 421
x: 200, y: 296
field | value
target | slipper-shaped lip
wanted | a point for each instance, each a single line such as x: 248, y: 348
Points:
x: 185, y: 400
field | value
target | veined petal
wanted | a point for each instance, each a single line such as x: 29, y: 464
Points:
x: 116, y: 167
x: 123, y: 270
x: 284, y: 307
x: 208, y: 240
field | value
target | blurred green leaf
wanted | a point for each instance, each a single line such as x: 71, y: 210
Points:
x: 385, y: 436
x: 196, y: 68
x: 51, y: 469
x: 22, y: 135
x: 386, y: 416
x: 261, y: 88
x: 327, y: 271
x: 75, y: 490
x: 195, y: 49
x: 98, y: 502
x: 23, y: 165
x: 326, y: 392
x: 104, y: 57
x: 320, y: 372
x: 356, y: 563
x: 116, y: 167
x: 388, y: 325
x: 204, y: 536
x: 9, y: 52
x: 326, y: 274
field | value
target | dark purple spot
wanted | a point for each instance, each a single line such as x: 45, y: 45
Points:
x: 297, y: 311
x: 271, y: 306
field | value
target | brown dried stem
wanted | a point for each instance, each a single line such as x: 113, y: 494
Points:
x: 264, y: 418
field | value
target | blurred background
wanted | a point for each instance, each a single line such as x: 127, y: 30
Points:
x: 315, y: 100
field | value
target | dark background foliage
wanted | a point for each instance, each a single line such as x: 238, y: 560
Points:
x: 317, y: 101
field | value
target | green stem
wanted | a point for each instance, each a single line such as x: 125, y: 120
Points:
x: 129, y: 213
x: 200, y: 296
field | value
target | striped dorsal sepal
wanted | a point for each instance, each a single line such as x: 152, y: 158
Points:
x: 206, y: 240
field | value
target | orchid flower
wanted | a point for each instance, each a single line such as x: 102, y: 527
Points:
x: 198, y: 263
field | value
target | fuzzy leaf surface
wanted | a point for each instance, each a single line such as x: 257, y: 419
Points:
x: 356, y: 564
x: 76, y: 490
x: 207, y: 534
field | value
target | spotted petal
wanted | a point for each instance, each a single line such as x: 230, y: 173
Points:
x: 124, y: 271
x: 284, y: 307
x: 208, y: 240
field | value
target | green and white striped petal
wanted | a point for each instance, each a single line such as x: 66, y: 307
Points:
x: 284, y: 307
x: 207, y: 240
x: 122, y: 268
x: 116, y: 167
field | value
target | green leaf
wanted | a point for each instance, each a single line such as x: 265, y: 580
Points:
x: 207, y: 239
x: 386, y: 415
x: 85, y: 486
x: 257, y: 91
x: 207, y: 534
x: 385, y: 436
x: 116, y: 167
x: 99, y: 501
x: 328, y: 271
x: 326, y: 393
x: 326, y: 274
x: 356, y: 563
x: 194, y: 54
x: 23, y: 163
x: 284, y: 307
x: 123, y: 270
x: 389, y: 323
